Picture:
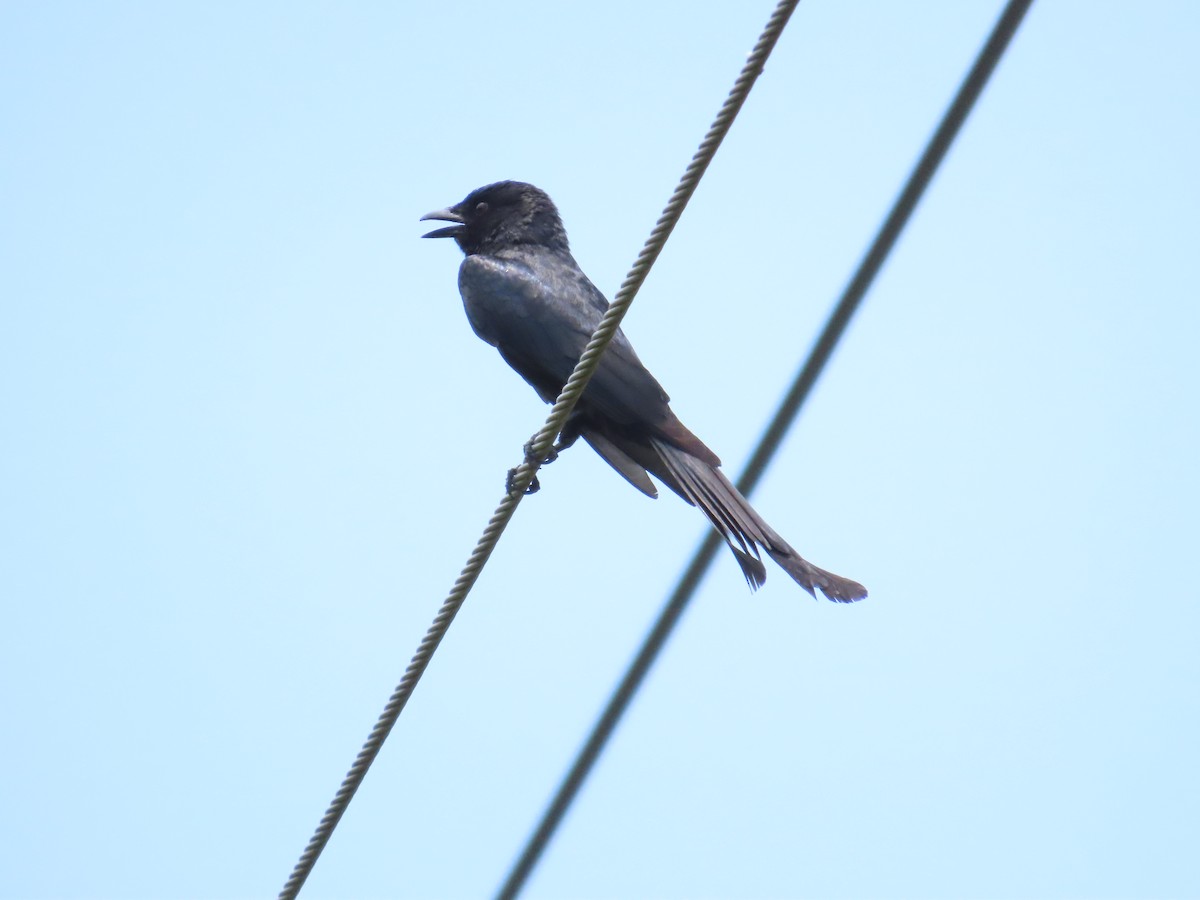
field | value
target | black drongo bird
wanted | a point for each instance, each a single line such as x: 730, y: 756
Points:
x: 527, y: 297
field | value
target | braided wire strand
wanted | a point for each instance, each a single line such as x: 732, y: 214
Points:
x: 671, y: 613
x: 650, y: 251
x: 539, y: 447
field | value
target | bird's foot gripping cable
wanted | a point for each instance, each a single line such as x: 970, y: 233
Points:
x: 534, y: 485
x: 533, y: 488
x: 551, y: 454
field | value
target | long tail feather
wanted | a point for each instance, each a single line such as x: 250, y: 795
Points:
x: 731, y: 514
x: 687, y: 471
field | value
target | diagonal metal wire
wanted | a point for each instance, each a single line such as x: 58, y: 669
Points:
x: 539, y: 447
x: 856, y: 289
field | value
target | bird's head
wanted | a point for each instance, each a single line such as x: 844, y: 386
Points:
x: 501, y: 215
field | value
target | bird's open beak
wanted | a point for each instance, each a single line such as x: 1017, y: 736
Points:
x: 446, y: 215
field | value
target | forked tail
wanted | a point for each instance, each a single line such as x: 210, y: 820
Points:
x: 731, y: 514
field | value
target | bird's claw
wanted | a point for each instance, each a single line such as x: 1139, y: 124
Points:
x: 510, y: 483
x: 534, y: 486
x: 551, y: 454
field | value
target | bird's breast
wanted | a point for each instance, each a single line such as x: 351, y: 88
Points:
x: 500, y: 295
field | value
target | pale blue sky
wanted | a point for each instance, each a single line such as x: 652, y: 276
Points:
x: 249, y: 440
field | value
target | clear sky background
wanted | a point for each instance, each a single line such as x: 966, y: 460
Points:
x: 248, y: 441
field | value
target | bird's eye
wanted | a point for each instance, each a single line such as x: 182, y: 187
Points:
x: 481, y: 207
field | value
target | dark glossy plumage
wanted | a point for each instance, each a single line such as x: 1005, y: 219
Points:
x: 525, y: 295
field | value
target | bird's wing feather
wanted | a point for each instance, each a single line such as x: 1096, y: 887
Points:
x: 540, y: 314
x: 628, y: 468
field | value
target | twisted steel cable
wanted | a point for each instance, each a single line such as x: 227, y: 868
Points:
x: 539, y: 447
x: 657, y: 240
x: 872, y: 261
